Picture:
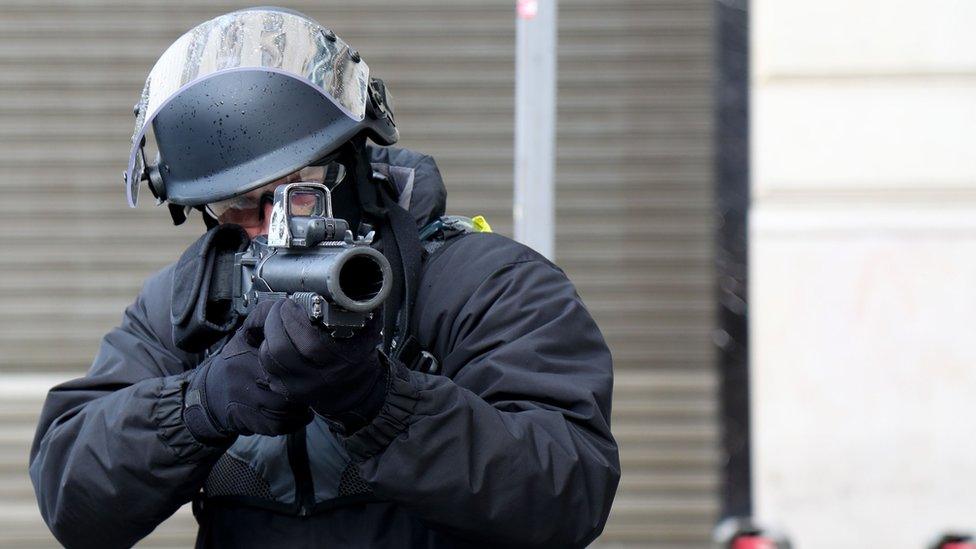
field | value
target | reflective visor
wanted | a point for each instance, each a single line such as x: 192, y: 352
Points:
x: 269, y: 39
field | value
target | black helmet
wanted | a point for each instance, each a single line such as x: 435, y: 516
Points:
x: 247, y: 98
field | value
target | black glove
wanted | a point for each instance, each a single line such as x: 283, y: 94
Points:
x: 341, y: 379
x: 231, y: 394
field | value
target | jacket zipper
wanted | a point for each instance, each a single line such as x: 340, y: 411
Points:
x: 298, y: 460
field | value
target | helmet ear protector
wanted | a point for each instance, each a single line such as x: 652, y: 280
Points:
x: 383, y: 131
x: 248, y: 98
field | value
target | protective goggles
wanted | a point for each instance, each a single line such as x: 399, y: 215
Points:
x: 330, y: 175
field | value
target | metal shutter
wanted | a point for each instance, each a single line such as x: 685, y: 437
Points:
x: 633, y: 183
x: 634, y: 231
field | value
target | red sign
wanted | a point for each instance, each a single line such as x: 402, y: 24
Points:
x: 753, y: 542
x: 527, y: 9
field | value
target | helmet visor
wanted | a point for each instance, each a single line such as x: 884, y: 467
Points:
x: 269, y: 39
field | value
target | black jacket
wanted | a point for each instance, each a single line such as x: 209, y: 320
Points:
x: 509, y: 442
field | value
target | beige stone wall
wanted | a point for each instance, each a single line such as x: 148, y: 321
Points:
x: 863, y: 237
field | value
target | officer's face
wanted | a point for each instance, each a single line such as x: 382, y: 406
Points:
x: 252, y: 211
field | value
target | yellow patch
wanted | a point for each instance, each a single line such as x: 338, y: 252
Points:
x: 480, y: 224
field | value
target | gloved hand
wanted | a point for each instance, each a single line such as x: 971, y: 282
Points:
x: 231, y: 394
x: 341, y: 379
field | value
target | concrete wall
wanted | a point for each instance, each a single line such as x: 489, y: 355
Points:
x: 863, y: 236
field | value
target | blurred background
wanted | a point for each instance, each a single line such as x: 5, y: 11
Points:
x: 861, y: 239
x: 863, y: 279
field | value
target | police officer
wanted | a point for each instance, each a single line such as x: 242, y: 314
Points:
x: 473, y: 411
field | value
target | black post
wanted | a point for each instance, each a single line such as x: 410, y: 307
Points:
x: 731, y: 258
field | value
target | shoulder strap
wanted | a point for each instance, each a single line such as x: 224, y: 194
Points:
x: 404, y: 251
x: 435, y: 238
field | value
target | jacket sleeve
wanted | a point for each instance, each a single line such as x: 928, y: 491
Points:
x: 111, y: 458
x: 512, y: 443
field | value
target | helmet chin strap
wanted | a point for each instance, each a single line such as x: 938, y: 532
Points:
x: 360, y: 172
x: 399, y: 239
x: 177, y: 212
